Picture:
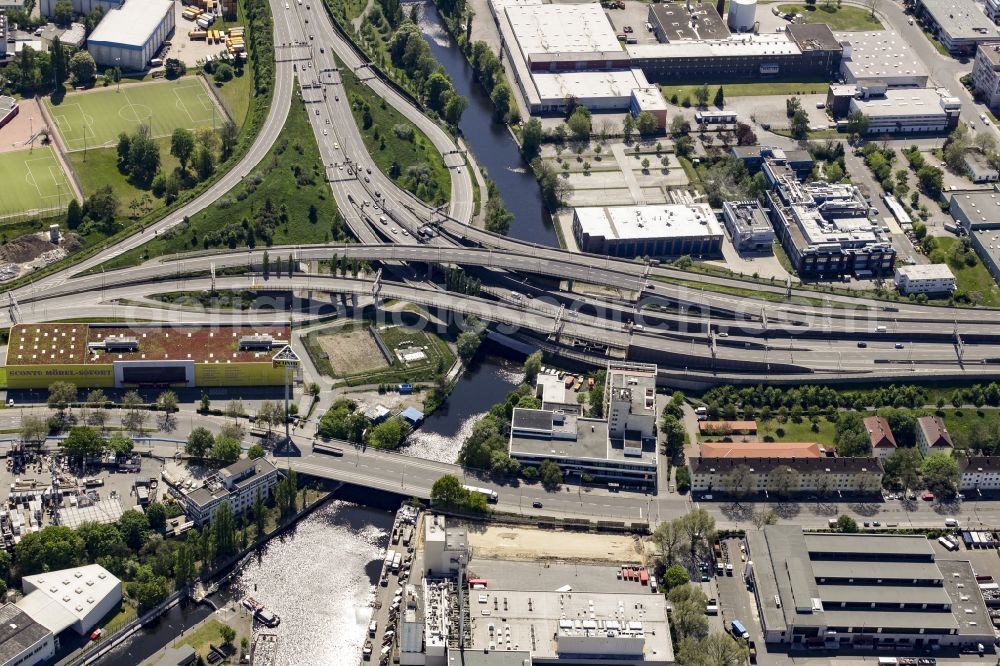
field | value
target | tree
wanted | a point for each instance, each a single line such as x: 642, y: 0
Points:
x: 531, y: 138
x: 389, y: 434
x: 532, y: 366
x: 199, y: 442
x: 940, y: 472
x: 902, y: 468
x: 63, y: 13
x: 713, y: 650
x: 738, y: 482
x: 688, y: 618
x: 669, y: 538
x: 83, y: 67
x: 228, y: 634
x: 256, y: 451
x: 628, y: 127
x: 58, y: 56
x: 783, y: 480
x: 701, y: 94
x: 550, y: 474
x: 74, y: 214
x: 857, y: 124
x: 156, y: 513
x: 745, y: 136
x: 579, y: 123
x: 102, y: 540
x: 225, y: 451
x: 698, y: 528
x: 799, y: 124
x: 50, y: 549
x: 34, y: 429
x: 167, y: 402
x: 134, y: 527
x: 184, y: 564
x: 467, y: 344
x: 223, y: 73
x: 143, y: 157
x: 720, y: 98
x: 448, y: 491
x: 846, y: 524
x: 851, y: 436
x: 646, y: 124
x: 182, y: 146
x: 147, y: 589
x: 82, y: 441
x: 674, y: 576
x: 224, y: 530
x: 674, y: 435
x: 931, y: 180
x: 229, y: 134
x: 61, y: 395
x: 204, y: 163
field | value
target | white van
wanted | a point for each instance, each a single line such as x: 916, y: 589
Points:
x: 950, y: 522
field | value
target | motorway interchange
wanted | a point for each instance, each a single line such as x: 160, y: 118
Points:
x: 720, y: 329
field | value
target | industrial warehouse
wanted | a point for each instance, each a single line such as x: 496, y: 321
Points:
x: 572, y: 50
x: 652, y: 231
x: 836, y: 591
x: 130, y: 36
x: 113, y: 355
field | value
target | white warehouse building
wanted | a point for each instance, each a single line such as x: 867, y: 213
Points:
x: 909, y: 110
x: 131, y: 36
x: 925, y: 279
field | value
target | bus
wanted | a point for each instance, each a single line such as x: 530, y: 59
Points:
x: 490, y: 495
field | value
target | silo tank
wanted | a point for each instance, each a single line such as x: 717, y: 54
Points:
x: 742, y: 15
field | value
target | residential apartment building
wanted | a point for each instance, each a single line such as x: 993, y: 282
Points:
x: 977, y: 473
x: 238, y: 485
x: 924, y: 279
x: 880, y: 434
x: 870, y: 591
x: 933, y: 436
x: 811, y: 475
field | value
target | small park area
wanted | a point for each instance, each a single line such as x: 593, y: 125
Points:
x: 95, y: 118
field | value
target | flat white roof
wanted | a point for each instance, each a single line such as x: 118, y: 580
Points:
x: 663, y: 221
x: 880, y: 54
x: 650, y: 99
x: 562, y: 28
x: 737, y: 45
x: 926, y: 272
x: 59, y: 599
x: 903, y: 102
x: 132, y: 24
x: 588, y: 85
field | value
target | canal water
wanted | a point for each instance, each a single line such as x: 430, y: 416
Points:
x: 483, y: 384
x: 319, y: 578
x: 491, y: 142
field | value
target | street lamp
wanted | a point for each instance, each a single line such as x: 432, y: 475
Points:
x: 118, y: 74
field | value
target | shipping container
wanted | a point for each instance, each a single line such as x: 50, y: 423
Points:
x: 643, y: 577
x: 197, y: 34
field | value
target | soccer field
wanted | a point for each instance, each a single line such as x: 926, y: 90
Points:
x: 32, y: 180
x: 95, y: 119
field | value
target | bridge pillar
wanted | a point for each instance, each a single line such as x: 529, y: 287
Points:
x: 354, y: 300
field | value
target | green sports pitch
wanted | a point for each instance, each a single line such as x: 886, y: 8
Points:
x: 95, y: 119
x: 32, y: 180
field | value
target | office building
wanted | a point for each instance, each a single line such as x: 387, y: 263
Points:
x: 868, y: 591
x: 23, y: 641
x: 551, y: 390
x: 809, y: 475
x: 649, y: 100
x: 748, y: 226
x: 909, y: 110
x: 880, y: 56
x: 8, y: 105
x: 933, y: 436
x: 986, y: 74
x: 238, y: 485
x: 664, y: 230
x: 825, y: 229
x: 880, y: 435
x: 445, y: 548
x: 137, y: 355
x: 130, y: 36
x: 74, y: 598
x: 924, y: 279
x: 3, y: 54
x: 978, y: 473
x: 960, y: 25
x: 621, y: 449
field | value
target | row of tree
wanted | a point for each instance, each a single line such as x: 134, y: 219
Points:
x: 345, y: 422
x: 411, y: 53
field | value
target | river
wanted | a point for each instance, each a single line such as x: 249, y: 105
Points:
x: 486, y: 382
x: 319, y: 578
x: 491, y: 142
